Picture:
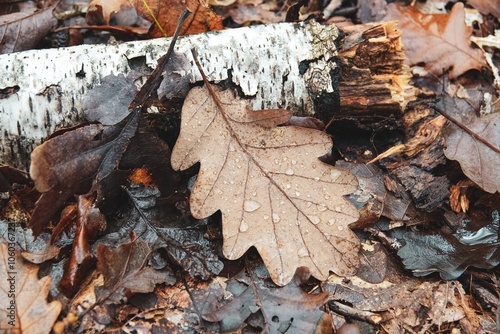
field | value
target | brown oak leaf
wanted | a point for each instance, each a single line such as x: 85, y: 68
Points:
x: 271, y: 188
x: 23, y: 296
x: 440, y: 41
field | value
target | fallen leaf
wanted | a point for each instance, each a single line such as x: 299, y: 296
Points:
x: 272, y: 190
x: 33, y: 250
x: 486, y: 6
x: 24, y: 29
x: 100, y: 12
x: 284, y: 309
x: 10, y: 175
x: 163, y: 14
x: 68, y: 164
x: 399, y: 302
x: 167, y: 13
x: 475, y: 144
x: 89, y: 222
x: 185, y: 246
x: 106, y: 103
x: 450, y: 254
x: 440, y: 41
x: 126, y: 271
x: 175, y: 83
x: 373, y: 199
x: 24, y: 296
x: 248, y: 13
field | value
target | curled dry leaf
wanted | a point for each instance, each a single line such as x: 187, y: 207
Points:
x: 271, y: 188
x: 89, y: 222
x: 440, y: 41
x: 24, y: 296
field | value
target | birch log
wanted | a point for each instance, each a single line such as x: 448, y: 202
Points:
x: 282, y: 65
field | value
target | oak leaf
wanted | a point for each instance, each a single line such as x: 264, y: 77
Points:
x: 440, y: 41
x: 272, y: 190
x: 24, y: 296
x: 68, y: 164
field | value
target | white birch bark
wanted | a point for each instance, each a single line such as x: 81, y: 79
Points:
x: 264, y: 61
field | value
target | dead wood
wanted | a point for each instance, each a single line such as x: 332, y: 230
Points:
x: 307, y: 68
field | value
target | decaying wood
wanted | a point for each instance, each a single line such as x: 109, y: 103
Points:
x: 374, y: 79
x: 283, y: 65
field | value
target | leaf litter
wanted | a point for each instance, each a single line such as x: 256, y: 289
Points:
x: 477, y: 247
x: 441, y: 41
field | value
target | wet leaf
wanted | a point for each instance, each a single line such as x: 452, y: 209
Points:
x: 191, y: 251
x: 68, y: 164
x: 89, y: 222
x: 126, y: 271
x: 284, y: 309
x: 108, y: 102
x: 22, y: 292
x: 475, y: 145
x: 24, y: 29
x: 451, y: 255
x: 272, y: 190
x: 175, y: 83
x: 440, y: 41
x: 185, y: 246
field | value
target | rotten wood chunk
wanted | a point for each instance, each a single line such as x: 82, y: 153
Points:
x: 374, y: 79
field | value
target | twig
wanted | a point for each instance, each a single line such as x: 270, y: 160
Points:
x: 466, y: 129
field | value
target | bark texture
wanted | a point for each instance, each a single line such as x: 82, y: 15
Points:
x: 295, y: 66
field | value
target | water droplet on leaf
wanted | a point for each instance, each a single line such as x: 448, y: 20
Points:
x: 243, y: 226
x: 334, y: 174
x: 314, y: 219
x: 303, y: 252
x: 321, y: 207
x: 251, y: 206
